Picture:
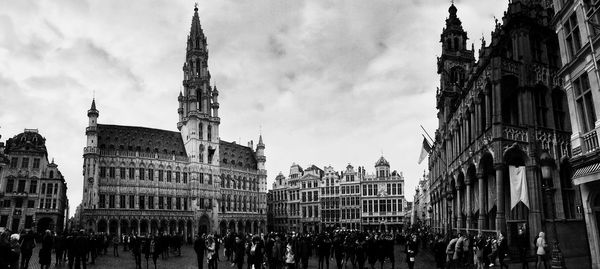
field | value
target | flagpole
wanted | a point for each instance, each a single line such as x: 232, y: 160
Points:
x: 432, y: 141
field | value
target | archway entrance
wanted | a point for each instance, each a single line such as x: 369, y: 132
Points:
x: 45, y: 224
x: 203, y: 225
x: 124, y: 227
x: 101, y: 226
x: 223, y: 227
x: 113, y: 227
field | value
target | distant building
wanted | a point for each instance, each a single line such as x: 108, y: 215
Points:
x: 330, y: 200
x: 33, y: 192
x: 314, y: 200
x: 421, y: 205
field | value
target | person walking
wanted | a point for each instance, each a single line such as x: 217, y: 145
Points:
x: 450, y: 252
x: 136, y: 250
x: 523, y: 246
x: 304, y: 250
x: 360, y: 252
x: 502, y: 250
x: 323, y: 249
x: 27, y: 246
x: 541, y: 245
x: 371, y: 251
x: 338, y: 251
x: 439, y: 252
x: 199, y: 248
x: 290, y: 256
x: 115, y: 243
x: 45, y: 254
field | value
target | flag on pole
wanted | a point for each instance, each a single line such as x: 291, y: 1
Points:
x: 518, y: 186
x: 424, y: 150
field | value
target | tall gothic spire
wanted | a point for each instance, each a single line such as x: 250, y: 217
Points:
x: 196, y: 38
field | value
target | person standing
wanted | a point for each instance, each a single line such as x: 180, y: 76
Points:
x: 523, y: 246
x: 45, y: 253
x: 210, y: 253
x: 15, y: 251
x: 27, y: 246
x: 360, y: 252
x: 136, y: 250
x: 450, y: 252
x: 371, y: 250
x: 411, y: 251
x: 439, y: 248
x: 338, y: 250
x: 290, y: 256
x: 304, y: 250
x: 278, y: 252
x: 238, y: 253
x: 115, y: 243
x: 255, y: 253
x: 540, y: 245
x: 199, y: 248
x: 502, y: 250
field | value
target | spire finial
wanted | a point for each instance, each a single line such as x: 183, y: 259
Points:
x: 196, y: 6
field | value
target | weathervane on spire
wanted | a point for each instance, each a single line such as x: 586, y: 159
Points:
x: 452, y: 1
x: 196, y: 6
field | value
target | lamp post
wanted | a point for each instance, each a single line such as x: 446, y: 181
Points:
x: 547, y: 165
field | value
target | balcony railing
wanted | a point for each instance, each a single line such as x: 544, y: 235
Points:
x: 590, y: 141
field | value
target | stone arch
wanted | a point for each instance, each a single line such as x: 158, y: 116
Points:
x: 44, y: 224
x: 515, y: 155
x: 232, y: 225
x: 248, y: 227
x: 154, y: 226
x: 101, y: 226
x: 204, y: 225
x: 172, y: 226
x: 113, y: 227
x: 223, y: 227
x: 124, y: 226
x: 180, y: 226
x: 134, y: 226
x: 256, y: 229
x: 189, y: 225
x: 240, y: 226
x: 164, y: 226
x: 144, y: 226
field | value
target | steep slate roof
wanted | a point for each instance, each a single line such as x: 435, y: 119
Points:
x: 237, y: 155
x: 120, y: 137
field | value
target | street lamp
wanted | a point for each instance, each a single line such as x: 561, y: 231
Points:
x: 547, y: 166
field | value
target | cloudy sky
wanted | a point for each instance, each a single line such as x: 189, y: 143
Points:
x: 330, y: 82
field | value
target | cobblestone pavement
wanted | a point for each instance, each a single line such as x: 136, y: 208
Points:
x: 187, y: 260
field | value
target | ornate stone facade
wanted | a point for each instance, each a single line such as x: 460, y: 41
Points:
x: 505, y: 109
x: 145, y: 180
x: 313, y: 200
x: 33, y: 192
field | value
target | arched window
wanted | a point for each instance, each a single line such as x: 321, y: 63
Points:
x: 559, y: 99
x: 51, y: 174
x: 200, y: 131
x: 456, y: 44
x: 457, y: 75
x: 209, y: 132
x: 449, y: 43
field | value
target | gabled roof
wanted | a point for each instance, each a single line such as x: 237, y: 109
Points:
x: 140, y: 138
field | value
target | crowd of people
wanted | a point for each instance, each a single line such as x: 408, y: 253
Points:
x: 348, y: 249
x: 78, y: 249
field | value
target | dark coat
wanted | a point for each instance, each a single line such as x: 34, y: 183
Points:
x: 238, y: 252
x: 46, y: 250
x: 200, y: 246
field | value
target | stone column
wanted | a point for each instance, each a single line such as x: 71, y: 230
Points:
x: 500, y: 215
x: 468, y: 201
x: 457, y: 208
x: 482, y: 190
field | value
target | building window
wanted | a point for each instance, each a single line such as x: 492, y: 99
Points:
x: 160, y: 175
x: 141, y: 175
x: 585, y: 102
x: 161, y: 202
x: 111, y: 201
x: 18, y: 203
x: 185, y: 204
x: 31, y: 204
x: 10, y: 184
x: 142, y: 202
x: 101, y: 200
x: 131, y: 173
x: 122, y: 173
x: 13, y: 162
x: 131, y: 201
x: 6, y: 203
x: 36, y: 163
x: 102, y: 171
x: 49, y: 190
x: 168, y: 176
x: 209, y: 132
x: 169, y: 203
x: 151, y: 174
x: 21, y: 186
x: 111, y: 172
x: 185, y: 177
x: 25, y: 163
x: 572, y: 35
x: 178, y: 203
x: 122, y: 201
x: 209, y: 179
x: 150, y: 202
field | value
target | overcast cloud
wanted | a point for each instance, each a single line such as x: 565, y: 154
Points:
x: 330, y: 82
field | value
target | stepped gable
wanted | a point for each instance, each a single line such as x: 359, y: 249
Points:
x: 131, y: 138
x: 237, y: 155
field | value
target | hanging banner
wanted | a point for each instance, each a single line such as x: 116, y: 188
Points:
x: 518, y: 186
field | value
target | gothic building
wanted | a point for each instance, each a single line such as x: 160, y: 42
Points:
x: 146, y: 180
x: 33, y: 192
x: 502, y: 113
x: 578, y: 27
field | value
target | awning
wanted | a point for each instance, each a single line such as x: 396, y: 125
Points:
x: 586, y: 174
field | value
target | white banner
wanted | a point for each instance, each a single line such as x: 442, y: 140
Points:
x: 518, y: 186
